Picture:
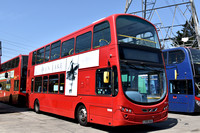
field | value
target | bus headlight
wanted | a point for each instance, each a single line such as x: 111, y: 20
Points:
x: 126, y: 110
x: 166, y: 107
x: 197, y: 102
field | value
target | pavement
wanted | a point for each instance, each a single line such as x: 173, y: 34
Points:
x: 22, y: 120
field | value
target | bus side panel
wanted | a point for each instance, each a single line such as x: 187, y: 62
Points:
x: 54, y: 103
x: 101, y: 110
x: 191, y: 103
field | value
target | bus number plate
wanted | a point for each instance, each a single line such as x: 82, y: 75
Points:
x: 147, y: 121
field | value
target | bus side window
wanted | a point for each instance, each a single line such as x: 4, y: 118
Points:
x: 115, y: 82
x: 47, y: 52
x: 83, y: 42
x: 40, y: 56
x: 8, y: 85
x: 103, y: 88
x: 45, y: 84
x: 55, y: 50
x: 33, y: 58
x: 176, y: 57
x: 16, y: 85
x: 62, y: 83
x: 32, y: 83
x: 190, y: 87
x: 181, y: 87
x: 3, y: 85
x: 53, y: 83
x: 101, y: 35
x: 38, y: 85
x: 67, y: 48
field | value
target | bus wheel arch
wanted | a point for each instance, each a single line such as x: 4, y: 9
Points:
x: 36, y: 106
x: 81, y: 114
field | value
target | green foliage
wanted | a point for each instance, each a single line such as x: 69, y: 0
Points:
x: 187, y: 31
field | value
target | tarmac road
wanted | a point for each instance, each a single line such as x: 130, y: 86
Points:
x: 23, y: 120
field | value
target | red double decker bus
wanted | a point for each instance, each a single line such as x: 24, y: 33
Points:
x: 110, y: 72
x: 13, y: 80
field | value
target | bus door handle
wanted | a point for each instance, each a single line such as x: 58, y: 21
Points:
x: 174, y: 97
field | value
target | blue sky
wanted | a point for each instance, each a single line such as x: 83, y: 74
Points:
x: 27, y: 25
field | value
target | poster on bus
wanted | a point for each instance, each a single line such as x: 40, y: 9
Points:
x: 72, y: 76
x: 73, y: 64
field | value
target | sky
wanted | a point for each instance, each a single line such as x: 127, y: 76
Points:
x: 27, y: 25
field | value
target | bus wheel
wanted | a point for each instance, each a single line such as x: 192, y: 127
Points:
x: 36, y: 106
x: 82, y: 115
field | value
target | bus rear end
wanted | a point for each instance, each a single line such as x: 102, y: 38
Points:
x: 195, y: 60
x: 13, y: 80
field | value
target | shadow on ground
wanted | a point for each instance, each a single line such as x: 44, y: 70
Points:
x: 183, y: 113
x: 169, y: 123
x: 6, y: 108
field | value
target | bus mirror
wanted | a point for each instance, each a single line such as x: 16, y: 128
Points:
x: 6, y: 75
x: 175, y: 74
x: 106, y: 77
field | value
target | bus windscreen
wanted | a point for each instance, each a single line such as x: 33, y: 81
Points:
x: 136, y: 31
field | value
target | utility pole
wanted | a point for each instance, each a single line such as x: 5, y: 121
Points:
x: 128, y: 3
x: 145, y: 8
x: 177, y: 12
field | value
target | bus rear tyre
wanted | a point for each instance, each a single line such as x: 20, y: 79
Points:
x: 82, y: 115
x: 37, y: 106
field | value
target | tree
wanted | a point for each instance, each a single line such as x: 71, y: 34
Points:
x: 187, y: 31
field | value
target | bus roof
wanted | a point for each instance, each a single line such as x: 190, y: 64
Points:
x: 82, y: 30
x: 13, y: 58
x: 172, y: 49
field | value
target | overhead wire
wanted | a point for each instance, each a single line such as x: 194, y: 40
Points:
x: 11, y: 44
x: 17, y: 36
x: 14, y: 43
x: 16, y: 48
x: 12, y: 49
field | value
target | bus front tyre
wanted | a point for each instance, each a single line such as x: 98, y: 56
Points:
x: 37, y: 106
x: 82, y: 115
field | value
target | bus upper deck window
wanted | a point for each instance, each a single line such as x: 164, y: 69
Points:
x: 47, y: 52
x: 67, y: 48
x: 83, y: 42
x: 176, y: 57
x: 55, y: 50
x: 101, y: 35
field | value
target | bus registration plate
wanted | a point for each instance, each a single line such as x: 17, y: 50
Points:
x: 147, y: 121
